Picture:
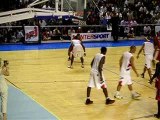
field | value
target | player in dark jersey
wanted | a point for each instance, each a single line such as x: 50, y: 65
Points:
x: 156, y: 76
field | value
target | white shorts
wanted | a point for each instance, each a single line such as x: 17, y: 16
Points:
x: 3, y: 94
x: 148, y: 60
x: 125, y: 79
x: 78, y: 51
x: 95, y: 80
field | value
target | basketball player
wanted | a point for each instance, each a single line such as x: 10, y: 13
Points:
x: 75, y: 50
x: 148, y: 48
x: 126, y: 63
x: 157, y: 48
x: 97, y: 78
x: 4, y: 88
x: 157, y: 85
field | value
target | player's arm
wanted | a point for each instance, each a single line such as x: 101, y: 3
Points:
x: 92, y: 62
x: 156, y: 74
x: 84, y: 49
x: 5, y: 70
x: 70, y: 49
x: 133, y: 65
x: 155, y: 49
x: 100, y: 67
x: 140, y: 51
x: 120, y: 62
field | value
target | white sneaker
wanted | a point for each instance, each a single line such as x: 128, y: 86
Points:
x: 71, y: 67
x: 136, y: 95
x: 118, y: 96
x: 82, y: 66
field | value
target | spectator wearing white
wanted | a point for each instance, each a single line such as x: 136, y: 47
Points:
x: 147, y: 30
x: 126, y: 3
x: 4, y: 88
x: 138, y: 5
x: 120, y: 15
x: 108, y: 18
x: 157, y: 9
x: 130, y: 15
x: 125, y: 23
x: 102, y: 10
x: 44, y: 23
x: 133, y: 23
x: 20, y: 35
x: 143, y: 9
x: 56, y: 32
x: 70, y: 31
x: 46, y: 6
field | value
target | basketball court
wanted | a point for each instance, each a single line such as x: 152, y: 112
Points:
x: 45, y: 89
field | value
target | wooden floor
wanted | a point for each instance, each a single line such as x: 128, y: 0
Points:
x: 43, y: 75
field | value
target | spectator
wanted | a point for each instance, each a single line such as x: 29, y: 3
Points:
x: 147, y: 30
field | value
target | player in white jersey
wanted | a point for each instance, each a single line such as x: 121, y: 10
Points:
x: 75, y: 50
x: 148, y: 49
x: 126, y: 63
x: 97, y: 78
x: 4, y: 89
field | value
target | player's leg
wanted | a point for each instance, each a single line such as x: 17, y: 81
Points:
x: 4, y: 96
x: 149, y: 72
x: 105, y: 91
x: 90, y: 85
x: 82, y: 62
x: 119, y: 86
x: 144, y: 70
x: 72, y: 60
x: 158, y: 112
x: 133, y: 93
x: 69, y: 51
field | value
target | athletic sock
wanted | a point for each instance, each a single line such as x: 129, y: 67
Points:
x: 88, y: 97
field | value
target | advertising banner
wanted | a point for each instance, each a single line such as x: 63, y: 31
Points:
x: 93, y: 36
x: 31, y: 34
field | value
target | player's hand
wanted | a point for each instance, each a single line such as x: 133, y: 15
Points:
x: 101, y: 79
x: 102, y: 82
x: 84, y: 54
x: 137, y: 56
x: 137, y: 75
x: 153, y: 63
x: 150, y: 81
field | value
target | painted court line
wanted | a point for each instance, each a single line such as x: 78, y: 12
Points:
x: 23, y: 107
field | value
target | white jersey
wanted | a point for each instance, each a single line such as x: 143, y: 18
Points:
x: 126, y: 65
x: 148, y: 48
x: 96, y: 61
x: 76, y: 42
x: 3, y: 84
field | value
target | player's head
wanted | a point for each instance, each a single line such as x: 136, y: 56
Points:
x: 5, y: 62
x: 103, y: 50
x: 133, y: 49
x: 147, y: 39
x: 78, y: 36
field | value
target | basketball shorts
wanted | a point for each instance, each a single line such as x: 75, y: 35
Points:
x: 148, y: 61
x: 125, y: 80
x: 94, y: 80
x: 78, y: 51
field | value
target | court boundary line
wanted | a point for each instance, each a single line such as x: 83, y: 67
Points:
x: 32, y: 99
x: 132, y: 80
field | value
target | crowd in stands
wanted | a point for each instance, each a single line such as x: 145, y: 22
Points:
x: 130, y: 13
